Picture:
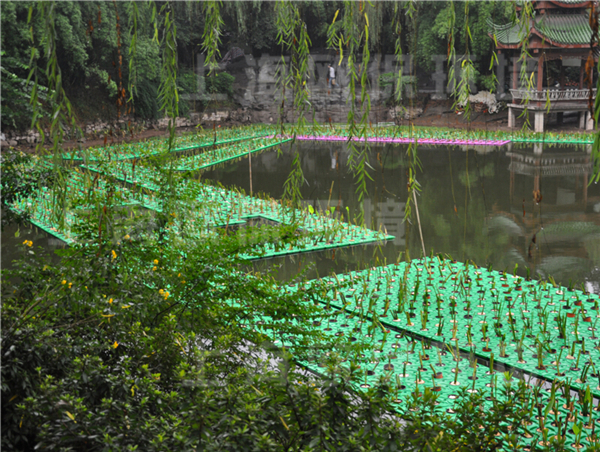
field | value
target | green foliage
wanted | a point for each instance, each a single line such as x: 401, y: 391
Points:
x: 221, y: 82
x: 101, y: 77
x: 19, y: 178
x: 488, y: 82
x: 187, y: 81
x: 16, y: 97
x: 435, y: 18
x: 168, y: 93
x: 16, y: 92
x: 145, y: 99
x: 398, y: 84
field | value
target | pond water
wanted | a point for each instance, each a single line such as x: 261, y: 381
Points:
x: 476, y: 203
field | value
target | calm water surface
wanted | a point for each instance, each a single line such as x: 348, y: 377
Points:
x: 477, y: 203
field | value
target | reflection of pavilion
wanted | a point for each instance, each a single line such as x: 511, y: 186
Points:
x: 563, y: 220
x: 537, y: 165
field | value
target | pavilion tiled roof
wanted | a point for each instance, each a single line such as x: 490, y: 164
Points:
x: 557, y: 29
x: 565, y: 28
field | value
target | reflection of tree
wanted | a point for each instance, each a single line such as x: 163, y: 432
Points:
x: 446, y: 231
x: 473, y: 176
x: 592, y: 245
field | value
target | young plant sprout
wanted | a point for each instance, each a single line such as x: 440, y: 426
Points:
x: 503, y: 346
x: 540, y: 355
x: 520, y: 350
x: 578, y: 430
x: 558, y: 372
x: 456, y: 372
x: 454, y: 330
x: 474, y: 376
x: 469, y: 336
x: 440, y: 327
x: 408, y: 322
x: 576, y: 366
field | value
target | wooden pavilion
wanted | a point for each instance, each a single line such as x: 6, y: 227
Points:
x: 558, y: 31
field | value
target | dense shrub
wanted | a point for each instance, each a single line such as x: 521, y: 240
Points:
x: 221, y: 82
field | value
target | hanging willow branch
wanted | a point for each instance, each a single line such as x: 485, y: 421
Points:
x: 412, y: 185
x: 168, y: 93
x: 398, y: 10
x: 292, y: 36
x: 467, y: 72
x: 211, y: 36
x: 451, y: 47
x: 60, y: 106
x: 354, y: 36
x: 594, y: 105
x: 525, y: 78
x: 133, y: 33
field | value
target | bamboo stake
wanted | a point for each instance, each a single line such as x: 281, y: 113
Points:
x: 250, y: 168
x: 419, y: 223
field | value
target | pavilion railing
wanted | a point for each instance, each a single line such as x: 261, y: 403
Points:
x: 552, y: 94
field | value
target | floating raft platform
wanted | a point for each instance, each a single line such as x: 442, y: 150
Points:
x: 221, y: 208
x: 144, y: 149
x: 412, y: 361
x: 225, y: 154
x: 403, y: 140
x: 536, y: 328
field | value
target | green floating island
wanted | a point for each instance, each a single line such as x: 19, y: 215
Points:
x: 144, y: 149
x: 221, y: 208
x: 430, y: 324
x: 225, y: 154
x: 544, y: 330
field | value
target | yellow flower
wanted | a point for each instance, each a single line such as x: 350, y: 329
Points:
x: 155, y: 261
x: 114, y: 255
x: 64, y: 281
x: 70, y: 285
x: 116, y: 344
x: 126, y: 237
x: 154, y: 268
x: 166, y: 295
x: 110, y: 301
x: 161, y: 292
x: 29, y: 243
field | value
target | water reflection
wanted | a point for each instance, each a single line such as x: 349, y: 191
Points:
x: 524, y: 205
x: 13, y: 237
